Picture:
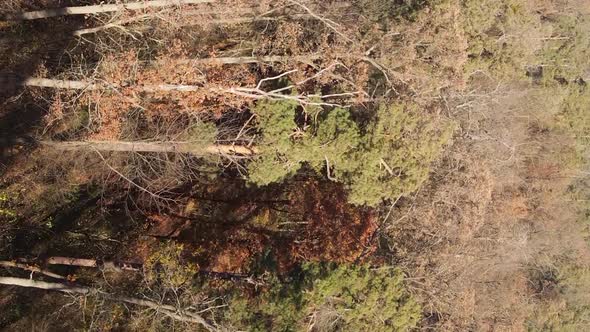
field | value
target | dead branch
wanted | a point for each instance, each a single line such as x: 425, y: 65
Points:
x: 104, y: 8
x: 116, y: 24
x: 329, y: 23
x: 153, y: 195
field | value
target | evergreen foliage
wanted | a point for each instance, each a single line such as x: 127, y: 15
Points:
x: 565, y: 298
x: 575, y: 115
x: 360, y: 298
x: 330, y: 298
x: 504, y: 37
x: 390, y: 158
x: 565, y: 55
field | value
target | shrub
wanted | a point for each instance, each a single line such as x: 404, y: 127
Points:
x: 358, y: 298
x: 326, y: 297
x: 568, y: 309
x: 565, y: 55
x: 166, y: 267
x: 575, y: 116
x: 504, y: 36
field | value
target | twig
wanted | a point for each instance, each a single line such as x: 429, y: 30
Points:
x: 126, y: 178
x: 330, y: 24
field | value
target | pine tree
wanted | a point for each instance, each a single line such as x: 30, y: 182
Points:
x: 390, y: 159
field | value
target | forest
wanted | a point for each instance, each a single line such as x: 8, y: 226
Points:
x: 294, y: 165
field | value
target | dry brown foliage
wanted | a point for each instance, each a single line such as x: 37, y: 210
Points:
x: 336, y: 230
x: 493, y: 208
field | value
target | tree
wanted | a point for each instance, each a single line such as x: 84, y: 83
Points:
x: 391, y: 157
x: 360, y: 298
x: 326, y: 297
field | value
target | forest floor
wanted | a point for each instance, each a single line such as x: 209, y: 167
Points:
x: 494, y: 239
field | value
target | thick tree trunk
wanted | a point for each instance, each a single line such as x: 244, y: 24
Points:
x: 86, y: 10
x: 168, y: 310
x: 161, y: 147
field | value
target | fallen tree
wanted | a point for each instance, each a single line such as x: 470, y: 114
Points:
x: 254, y: 93
x: 168, y: 310
x: 306, y: 58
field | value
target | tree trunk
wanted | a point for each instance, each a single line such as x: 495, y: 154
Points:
x: 43, y: 285
x: 105, y: 8
x: 254, y: 59
x: 161, y: 147
x: 117, y: 266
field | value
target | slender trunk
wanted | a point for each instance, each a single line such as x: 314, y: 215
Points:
x: 254, y: 59
x: 161, y: 147
x: 168, y: 310
x: 105, y: 8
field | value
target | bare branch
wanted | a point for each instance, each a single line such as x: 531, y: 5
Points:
x: 329, y: 23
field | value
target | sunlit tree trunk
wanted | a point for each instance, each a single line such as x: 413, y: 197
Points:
x: 158, y: 147
x: 97, y: 9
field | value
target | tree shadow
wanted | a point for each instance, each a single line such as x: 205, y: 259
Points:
x: 27, y: 48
